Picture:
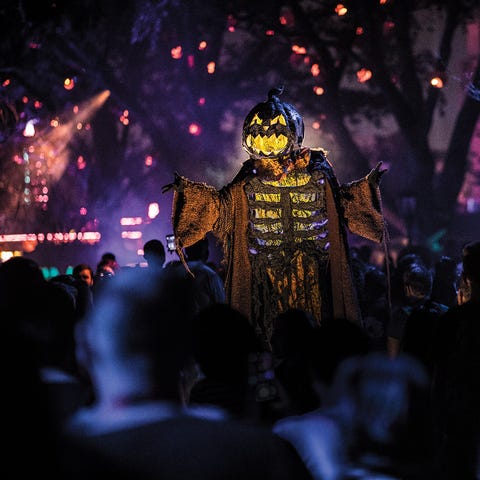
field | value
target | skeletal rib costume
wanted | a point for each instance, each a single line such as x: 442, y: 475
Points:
x: 282, y: 222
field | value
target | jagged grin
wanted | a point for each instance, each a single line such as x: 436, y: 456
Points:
x: 267, y: 145
x: 267, y: 137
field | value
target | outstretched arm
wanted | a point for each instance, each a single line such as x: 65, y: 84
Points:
x: 195, y: 209
x: 362, y: 205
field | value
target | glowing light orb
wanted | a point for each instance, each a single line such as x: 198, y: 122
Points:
x: 364, y: 75
x: 176, y: 52
x: 211, y: 68
x: 299, y: 50
x: 153, y: 210
x: 81, y: 164
x: 69, y: 83
x: 436, y: 82
x: 194, y: 129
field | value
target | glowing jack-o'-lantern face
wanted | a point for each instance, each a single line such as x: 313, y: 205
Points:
x: 268, y: 137
x: 272, y: 129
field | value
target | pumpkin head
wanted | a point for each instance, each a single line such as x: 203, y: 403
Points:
x: 273, y: 128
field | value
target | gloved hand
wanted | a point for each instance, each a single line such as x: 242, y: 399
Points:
x: 376, y: 174
x: 175, y: 185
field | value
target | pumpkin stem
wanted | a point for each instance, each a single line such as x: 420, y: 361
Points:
x: 275, y: 92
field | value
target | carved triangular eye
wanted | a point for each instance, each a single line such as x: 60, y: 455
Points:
x: 256, y: 120
x: 278, y: 119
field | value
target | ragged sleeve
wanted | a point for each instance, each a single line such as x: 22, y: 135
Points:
x: 195, y: 211
x: 362, y: 207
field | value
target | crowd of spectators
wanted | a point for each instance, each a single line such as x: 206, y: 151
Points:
x: 142, y: 373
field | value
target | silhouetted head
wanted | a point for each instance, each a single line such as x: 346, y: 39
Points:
x: 417, y: 279
x: 375, y: 284
x: 223, y: 340
x: 445, y: 279
x: 22, y: 286
x: 109, y: 256
x: 110, y: 259
x: 336, y: 340
x: 137, y: 338
x: 471, y: 262
x: 384, y: 408
x: 292, y: 333
x: 198, y: 251
x: 154, y: 253
x: 83, y: 272
x: 20, y: 273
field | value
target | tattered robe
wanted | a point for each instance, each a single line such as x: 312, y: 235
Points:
x: 199, y: 208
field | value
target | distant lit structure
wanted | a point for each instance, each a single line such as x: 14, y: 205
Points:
x: 29, y: 130
x: 54, y: 237
x: 15, y: 244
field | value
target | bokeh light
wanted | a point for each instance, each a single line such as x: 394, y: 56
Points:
x: 315, y: 70
x: 176, y: 52
x: 153, y: 210
x: 437, y: 82
x: 341, y: 10
x: 364, y: 75
x: 194, y: 129
x: 211, y: 68
x: 69, y: 83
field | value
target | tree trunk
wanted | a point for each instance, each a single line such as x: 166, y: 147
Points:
x: 456, y: 160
